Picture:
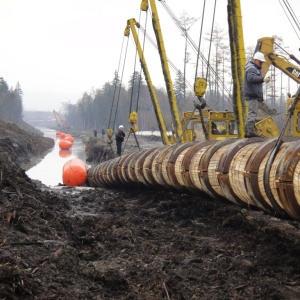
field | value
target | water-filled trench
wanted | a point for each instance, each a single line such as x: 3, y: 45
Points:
x: 49, y: 169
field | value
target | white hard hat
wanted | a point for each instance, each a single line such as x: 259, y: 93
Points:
x: 121, y: 126
x: 259, y: 56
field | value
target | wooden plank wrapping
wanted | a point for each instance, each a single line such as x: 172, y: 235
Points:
x: 237, y: 173
x: 194, y: 167
x: 272, y: 180
x: 179, y: 169
x: 213, y: 174
x: 157, y: 165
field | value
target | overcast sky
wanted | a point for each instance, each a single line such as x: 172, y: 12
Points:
x: 58, y: 49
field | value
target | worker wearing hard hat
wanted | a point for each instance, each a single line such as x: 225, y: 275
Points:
x: 120, y: 135
x: 253, y: 92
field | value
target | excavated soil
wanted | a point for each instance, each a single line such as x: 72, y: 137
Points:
x: 84, y: 243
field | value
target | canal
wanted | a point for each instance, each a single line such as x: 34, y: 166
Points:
x: 49, y: 170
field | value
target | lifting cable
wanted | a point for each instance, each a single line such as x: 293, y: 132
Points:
x: 210, y: 43
x: 200, y: 38
x: 291, y: 56
x: 143, y: 48
x: 196, y: 106
x: 172, y: 65
x: 140, y: 77
x: 131, y: 130
x: 197, y: 50
x: 196, y: 72
x: 120, y: 86
x: 292, y: 14
x: 110, y: 131
x: 274, y: 151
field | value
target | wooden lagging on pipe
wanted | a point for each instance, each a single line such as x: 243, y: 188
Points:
x: 231, y: 170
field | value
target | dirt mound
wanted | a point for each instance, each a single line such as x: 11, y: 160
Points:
x: 83, y: 243
x: 98, y: 150
x: 18, y: 147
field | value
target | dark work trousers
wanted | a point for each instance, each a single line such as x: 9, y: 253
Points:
x: 119, y: 148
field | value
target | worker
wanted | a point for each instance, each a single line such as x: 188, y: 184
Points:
x: 95, y: 133
x: 253, y: 92
x: 120, y: 135
x: 103, y: 132
x: 214, y: 128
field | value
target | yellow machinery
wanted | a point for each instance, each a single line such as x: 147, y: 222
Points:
x: 207, y: 124
x: 266, y: 46
x: 131, y: 23
x: 253, y: 172
x: 217, y: 125
x: 165, y: 67
x: 220, y: 125
x: 238, y: 61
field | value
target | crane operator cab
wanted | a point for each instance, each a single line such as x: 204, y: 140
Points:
x: 219, y: 125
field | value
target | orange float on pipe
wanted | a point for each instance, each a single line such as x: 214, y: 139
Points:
x: 62, y: 135
x: 69, y: 138
x: 65, y: 145
x: 58, y: 133
x: 74, y: 172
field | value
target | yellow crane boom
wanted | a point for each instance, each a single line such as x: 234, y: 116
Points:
x: 165, y: 66
x: 131, y: 24
x: 238, y: 61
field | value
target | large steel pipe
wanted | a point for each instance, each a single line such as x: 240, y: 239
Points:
x: 231, y: 170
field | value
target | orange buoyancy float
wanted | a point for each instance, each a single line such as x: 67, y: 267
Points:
x: 62, y: 135
x: 74, y: 172
x: 69, y: 138
x: 65, y: 145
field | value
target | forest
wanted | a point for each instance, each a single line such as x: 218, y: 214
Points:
x: 110, y: 105
x: 11, y: 102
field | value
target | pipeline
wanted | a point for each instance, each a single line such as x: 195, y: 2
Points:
x: 230, y: 170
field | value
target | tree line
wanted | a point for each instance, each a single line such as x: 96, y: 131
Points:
x: 111, y: 105
x: 11, y: 102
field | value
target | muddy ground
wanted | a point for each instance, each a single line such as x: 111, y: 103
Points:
x: 73, y: 243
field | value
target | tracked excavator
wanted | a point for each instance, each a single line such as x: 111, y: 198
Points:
x: 252, y: 172
x: 266, y: 45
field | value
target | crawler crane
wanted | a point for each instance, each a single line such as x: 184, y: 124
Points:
x: 60, y: 121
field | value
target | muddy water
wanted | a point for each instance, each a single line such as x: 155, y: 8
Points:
x: 49, y: 170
